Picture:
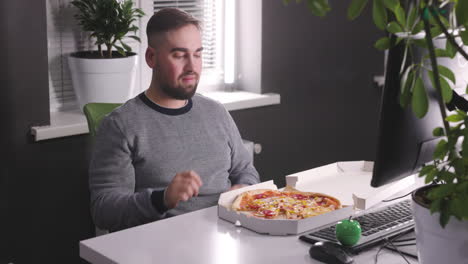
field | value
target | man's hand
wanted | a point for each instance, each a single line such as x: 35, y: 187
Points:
x: 237, y: 186
x: 184, y: 186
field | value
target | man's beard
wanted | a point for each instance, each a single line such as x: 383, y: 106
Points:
x: 179, y: 92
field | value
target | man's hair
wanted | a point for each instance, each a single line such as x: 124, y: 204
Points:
x: 168, y: 19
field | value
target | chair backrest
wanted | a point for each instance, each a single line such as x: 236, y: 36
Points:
x: 95, y: 112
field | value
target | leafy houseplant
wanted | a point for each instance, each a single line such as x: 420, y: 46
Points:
x: 416, y: 24
x: 109, y: 21
x: 105, y: 76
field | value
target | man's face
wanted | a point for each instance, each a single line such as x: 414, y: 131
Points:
x: 177, y: 62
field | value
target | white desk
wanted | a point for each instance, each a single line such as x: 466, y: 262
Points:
x: 201, y: 237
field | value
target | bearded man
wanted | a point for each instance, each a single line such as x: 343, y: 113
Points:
x: 169, y: 150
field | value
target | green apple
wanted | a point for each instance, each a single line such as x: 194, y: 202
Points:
x: 348, y: 232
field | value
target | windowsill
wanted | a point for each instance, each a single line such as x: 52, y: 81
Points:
x: 70, y: 123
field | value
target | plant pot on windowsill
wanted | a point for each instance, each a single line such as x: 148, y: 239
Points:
x: 437, y: 244
x: 105, y: 76
x: 102, y: 80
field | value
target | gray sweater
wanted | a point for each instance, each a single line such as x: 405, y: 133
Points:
x: 141, y: 146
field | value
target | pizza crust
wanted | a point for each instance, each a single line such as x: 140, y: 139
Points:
x: 236, y: 205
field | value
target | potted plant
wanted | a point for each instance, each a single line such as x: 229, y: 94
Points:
x: 441, y: 209
x: 105, y: 75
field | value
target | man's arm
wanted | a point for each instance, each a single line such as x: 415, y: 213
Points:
x: 242, y: 171
x: 114, y: 203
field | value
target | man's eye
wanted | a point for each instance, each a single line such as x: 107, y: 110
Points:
x: 179, y: 55
x: 197, y: 55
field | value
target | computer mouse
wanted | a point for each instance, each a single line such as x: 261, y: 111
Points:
x: 330, y: 253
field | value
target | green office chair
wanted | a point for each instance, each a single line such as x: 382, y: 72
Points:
x: 95, y: 112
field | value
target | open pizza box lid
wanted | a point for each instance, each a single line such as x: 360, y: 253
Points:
x: 349, y: 181
x: 275, y: 226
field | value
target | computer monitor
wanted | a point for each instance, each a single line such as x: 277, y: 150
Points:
x: 405, y: 142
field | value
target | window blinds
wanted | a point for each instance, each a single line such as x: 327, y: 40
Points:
x: 205, y: 11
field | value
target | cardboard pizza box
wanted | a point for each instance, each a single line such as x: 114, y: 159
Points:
x: 275, y: 226
x: 348, y: 181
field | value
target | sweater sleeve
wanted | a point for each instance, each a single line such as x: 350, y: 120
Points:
x: 242, y: 170
x: 114, y: 203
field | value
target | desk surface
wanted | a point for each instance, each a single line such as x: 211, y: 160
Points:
x: 201, y: 237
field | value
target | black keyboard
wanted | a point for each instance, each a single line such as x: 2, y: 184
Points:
x: 376, y: 225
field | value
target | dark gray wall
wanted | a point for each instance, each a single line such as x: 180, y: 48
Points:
x: 321, y: 67
x: 45, y: 182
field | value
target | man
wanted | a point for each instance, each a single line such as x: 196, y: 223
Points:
x: 167, y: 151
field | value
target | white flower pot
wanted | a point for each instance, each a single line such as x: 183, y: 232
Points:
x: 103, y: 80
x: 437, y: 245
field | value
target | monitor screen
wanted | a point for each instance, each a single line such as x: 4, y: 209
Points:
x: 405, y: 142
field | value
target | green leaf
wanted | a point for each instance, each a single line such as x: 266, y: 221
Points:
x: 444, y: 214
x: 318, y: 7
x: 379, y: 14
x: 454, y: 118
x: 126, y: 47
x: 447, y: 92
x: 394, y: 27
x: 418, y: 28
x: 382, y: 43
x: 441, y: 149
x: 419, y: 100
x: 120, y: 50
x: 355, y: 8
x: 430, y: 176
x: 421, y: 43
x: 441, y: 191
x: 459, y: 166
x: 391, y: 4
x: 135, y: 38
x: 412, y: 17
x: 460, y: 112
x: 438, y: 132
x: 461, y: 12
x: 400, y: 15
x: 451, y: 50
x: 435, y: 206
x: 407, y: 82
x: 462, y: 188
x: 426, y: 169
x: 441, y: 53
x: 464, y: 36
x: 446, y: 72
x: 435, y: 31
x: 457, y: 207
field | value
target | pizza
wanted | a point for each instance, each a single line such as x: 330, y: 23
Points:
x: 287, y: 204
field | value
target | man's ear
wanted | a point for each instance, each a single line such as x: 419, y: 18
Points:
x: 150, y: 56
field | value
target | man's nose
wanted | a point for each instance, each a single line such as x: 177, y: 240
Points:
x: 190, y: 66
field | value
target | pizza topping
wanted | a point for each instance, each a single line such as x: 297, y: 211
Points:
x: 293, y: 205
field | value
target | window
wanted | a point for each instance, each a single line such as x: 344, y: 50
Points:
x: 223, y: 66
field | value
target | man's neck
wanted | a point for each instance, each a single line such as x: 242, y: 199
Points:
x: 161, y: 99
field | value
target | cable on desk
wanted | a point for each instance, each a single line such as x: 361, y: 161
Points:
x: 386, y: 244
x: 401, y: 254
x: 396, y: 198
